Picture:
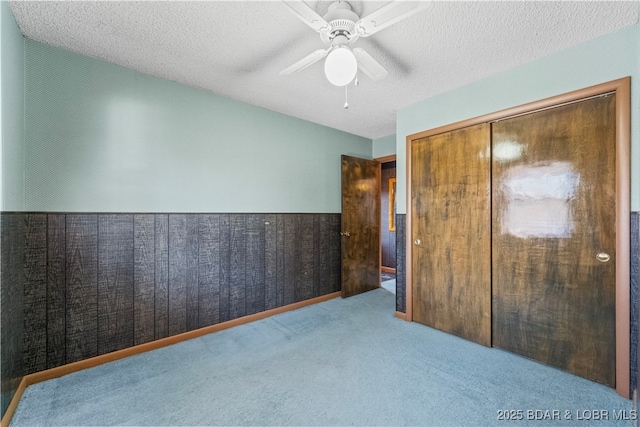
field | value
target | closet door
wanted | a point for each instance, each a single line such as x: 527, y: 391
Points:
x: 554, y: 237
x: 450, y: 208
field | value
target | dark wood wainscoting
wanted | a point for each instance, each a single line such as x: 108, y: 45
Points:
x: 401, y: 262
x: 12, y: 283
x: 634, y: 358
x: 97, y: 283
x: 150, y: 278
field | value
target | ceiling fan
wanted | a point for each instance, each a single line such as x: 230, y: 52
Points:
x: 339, y: 28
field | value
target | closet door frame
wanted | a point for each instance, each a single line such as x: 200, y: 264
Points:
x: 622, y: 89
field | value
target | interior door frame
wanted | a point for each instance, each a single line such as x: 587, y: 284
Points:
x: 622, y: 89
x: 384, y: 159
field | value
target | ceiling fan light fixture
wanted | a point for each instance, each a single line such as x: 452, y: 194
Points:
x: 341, y: 66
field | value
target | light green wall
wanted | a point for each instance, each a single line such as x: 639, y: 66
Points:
x: 384, y: 146
x: 12, y: 117
x: 104, y: 138
x: 606, y: 58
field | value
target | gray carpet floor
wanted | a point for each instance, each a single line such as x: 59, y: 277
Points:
x: 389, y: 285
x: 341, y: 362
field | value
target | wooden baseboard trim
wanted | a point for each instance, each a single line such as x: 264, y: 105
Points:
x: 69, y: 368
x: 401, y: 315
x: 388, y: 269
x: 153, y: 345
x: 13, y: 405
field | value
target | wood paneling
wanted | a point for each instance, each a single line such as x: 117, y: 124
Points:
x: 238, y: 265
x: 12, y: 300
x: 553, y: 211
x: 225, y: 266
x: 271, y: 261
x: 162, y: 276
x: 104, y: 282
x: 82, y: 286
x: 451, y: 210
x: 35, y: 293
x: 210, y: 251
x: 304, y: 285
x: 191, y: 274
x: 115, y: 282
x: 144, y: 278
x: 327, y: 263
x: 208, y: 270
x: 333, y: 274
x: 280, y: 260
x: 291, y: 251
x: 56, y: 290
x: 401, y: 277
x: 360, y: 225
x: 255, y: 264
x: 634, y: 360
x: 177, y: 274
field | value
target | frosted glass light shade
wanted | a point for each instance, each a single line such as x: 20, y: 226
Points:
x: 341, y: 66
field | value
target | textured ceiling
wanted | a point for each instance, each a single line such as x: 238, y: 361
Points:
x: 237, y: 48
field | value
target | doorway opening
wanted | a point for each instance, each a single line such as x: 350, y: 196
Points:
x: 388, y: 223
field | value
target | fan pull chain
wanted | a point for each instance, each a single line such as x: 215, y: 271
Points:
x: 346, y: 101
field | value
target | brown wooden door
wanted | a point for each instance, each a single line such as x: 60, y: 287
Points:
x: 451, y: 233
x: 553, y: 237
x: 360, y: 225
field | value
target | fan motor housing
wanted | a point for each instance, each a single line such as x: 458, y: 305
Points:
x: 342, y: 22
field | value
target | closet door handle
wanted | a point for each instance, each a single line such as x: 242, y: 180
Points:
x: 603, y: 257
x: 417, y: 242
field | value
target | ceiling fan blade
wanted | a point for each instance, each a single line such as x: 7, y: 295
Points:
x: 306, y: 61
x: 368, y: 65
x: 307, y: 15
x: 387, y: 15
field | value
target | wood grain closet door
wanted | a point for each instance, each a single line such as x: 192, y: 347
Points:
x: 451, y: 233
x: 360, y: 225
x: 554, y: 237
